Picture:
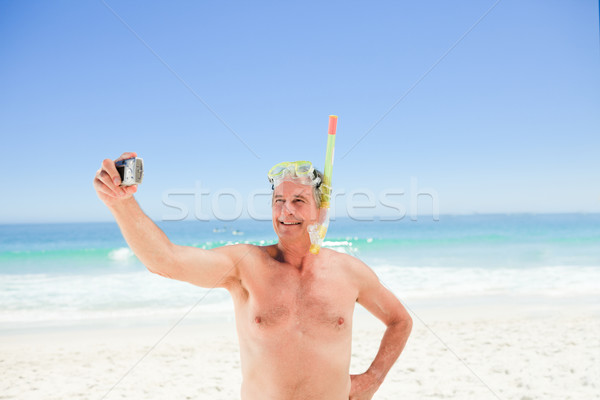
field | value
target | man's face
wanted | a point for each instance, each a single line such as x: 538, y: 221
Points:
x: 294, y: 209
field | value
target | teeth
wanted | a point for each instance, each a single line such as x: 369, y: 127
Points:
x: 290, y: 223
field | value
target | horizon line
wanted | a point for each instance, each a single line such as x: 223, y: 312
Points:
x: 374, y: 218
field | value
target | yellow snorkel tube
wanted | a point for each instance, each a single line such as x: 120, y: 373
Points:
x: 318, y: 231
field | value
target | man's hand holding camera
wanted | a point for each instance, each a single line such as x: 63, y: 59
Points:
x: 108, y: 180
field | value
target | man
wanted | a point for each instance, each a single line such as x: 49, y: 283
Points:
x: 293, y: 309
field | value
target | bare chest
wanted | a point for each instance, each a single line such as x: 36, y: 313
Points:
x: 317, y: 301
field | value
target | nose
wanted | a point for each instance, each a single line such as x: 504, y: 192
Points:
x: 287, y: 209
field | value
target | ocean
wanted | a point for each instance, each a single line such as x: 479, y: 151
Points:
x: 84, y: 273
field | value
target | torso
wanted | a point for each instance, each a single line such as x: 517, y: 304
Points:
x: 294, y: 326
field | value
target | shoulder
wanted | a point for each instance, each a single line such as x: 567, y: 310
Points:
x: 342, y: 258
x: 354, y: 267
x: 371, y: 293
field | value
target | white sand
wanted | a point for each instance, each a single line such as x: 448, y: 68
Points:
x: 487, y: 352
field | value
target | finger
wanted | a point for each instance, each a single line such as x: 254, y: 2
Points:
x: 108, y: 166
x: 127, y: 155
x: 130, y: 189
x: 102, y: 188
x: 106, y: 180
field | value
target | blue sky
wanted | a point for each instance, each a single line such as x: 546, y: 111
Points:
x: 504, y: 119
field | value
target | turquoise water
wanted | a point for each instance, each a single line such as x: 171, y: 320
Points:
x: 57, y: 273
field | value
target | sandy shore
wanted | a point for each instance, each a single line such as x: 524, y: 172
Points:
x: 493, y: 351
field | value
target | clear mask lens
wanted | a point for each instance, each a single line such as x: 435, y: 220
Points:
x: 297, y: 171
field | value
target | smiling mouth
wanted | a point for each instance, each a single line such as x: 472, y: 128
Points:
x: 289, y: 223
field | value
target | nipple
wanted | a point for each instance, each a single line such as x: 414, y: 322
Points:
x: 340, y: 321
x: 257, y: 320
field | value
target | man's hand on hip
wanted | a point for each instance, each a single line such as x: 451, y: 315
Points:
x: 363, y: 387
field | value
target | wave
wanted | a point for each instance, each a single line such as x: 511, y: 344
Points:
x: 41, y: 297
x: 468, y: 251
x: 436, y: 282
x: 49, y: 298
x: 121, y: 254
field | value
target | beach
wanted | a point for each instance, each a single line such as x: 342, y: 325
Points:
x: 466, y: 178
x: 535, y: 352
x: 503, y: 308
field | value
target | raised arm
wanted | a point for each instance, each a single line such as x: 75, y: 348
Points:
x: 206, y: 268
x: 384, y: 305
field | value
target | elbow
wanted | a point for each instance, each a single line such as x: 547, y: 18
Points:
x: 408, y: 323
x: 403, y: 322
x: 407, y: 320
x: 164, y: 265
x: 166, y: 270
x: 158, y: 271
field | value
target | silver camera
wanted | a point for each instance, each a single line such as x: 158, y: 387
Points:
x: 131, y: 171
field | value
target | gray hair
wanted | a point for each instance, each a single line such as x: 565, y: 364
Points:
x: 317, y: 190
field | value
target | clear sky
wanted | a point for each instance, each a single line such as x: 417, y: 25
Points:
x: 489, y: 111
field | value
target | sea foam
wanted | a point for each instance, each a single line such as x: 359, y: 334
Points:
x: 121, y: 254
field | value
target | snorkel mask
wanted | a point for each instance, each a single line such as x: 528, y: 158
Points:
x: 303, y: 172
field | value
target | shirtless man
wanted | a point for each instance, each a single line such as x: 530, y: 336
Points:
x: 293, y: 309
